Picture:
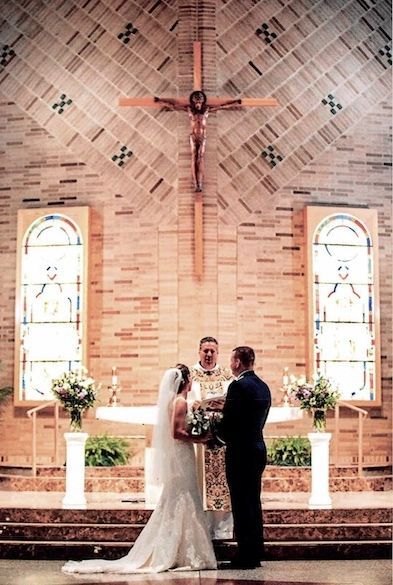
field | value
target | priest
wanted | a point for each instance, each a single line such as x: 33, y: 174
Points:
x: 210, y: 382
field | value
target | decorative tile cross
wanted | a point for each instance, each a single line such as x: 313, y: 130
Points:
x: 119, y: 159
x: 331, y: 101
x: 272, y: 158
x: 63, y: 102
x: 6, y: 55
x: 125, y: 36
x: 264, y: 33
x: 386, y: 52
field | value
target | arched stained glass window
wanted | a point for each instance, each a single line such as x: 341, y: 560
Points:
x: 51, y: 299
x: 343, y: 300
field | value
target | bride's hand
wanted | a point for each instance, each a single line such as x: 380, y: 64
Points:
x: 215, y: 405
x: 196, y: 405
x: 201, y: 438
x: 206, y: 438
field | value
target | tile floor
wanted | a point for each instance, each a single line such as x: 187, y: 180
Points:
x: 362, y: 572
x: 279, y: 500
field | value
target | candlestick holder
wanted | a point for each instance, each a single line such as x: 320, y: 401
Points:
x: 285, y: 387
x: 285, y: 400
x: 114, y: 398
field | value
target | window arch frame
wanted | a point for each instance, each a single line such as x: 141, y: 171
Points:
x: 74, y: 225
x: 366, y: 222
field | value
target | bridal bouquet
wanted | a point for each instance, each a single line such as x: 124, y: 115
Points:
x: 201, y: 422
x: 77, y: 392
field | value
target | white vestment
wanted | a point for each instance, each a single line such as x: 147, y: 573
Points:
x: 208, y: 384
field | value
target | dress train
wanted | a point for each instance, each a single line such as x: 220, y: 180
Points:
x: 176, y: 535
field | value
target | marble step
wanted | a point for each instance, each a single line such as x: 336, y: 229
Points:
x: 295, y: 533
x: 108, y: 472
x: 129, y: 532
x: 57, y: 484
x: 43, y: 550
x: 139, y: 516
x: 336, y: 484
x: 271, y: 471
x: 123, y: 483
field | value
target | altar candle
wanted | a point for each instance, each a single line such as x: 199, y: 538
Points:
x: 285, y: 378
x: 114, y: 377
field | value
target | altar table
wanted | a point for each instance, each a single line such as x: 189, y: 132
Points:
x: 146, y: 415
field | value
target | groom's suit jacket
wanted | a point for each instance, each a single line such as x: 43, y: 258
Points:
x: 245, y: 411
x: 244, y: 416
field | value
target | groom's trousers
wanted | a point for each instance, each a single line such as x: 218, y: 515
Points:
x: 244, y: 468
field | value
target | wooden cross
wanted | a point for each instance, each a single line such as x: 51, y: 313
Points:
x: 184, y: 102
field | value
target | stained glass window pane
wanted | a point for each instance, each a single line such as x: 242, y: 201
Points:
x: 343, y: 305
x: 51, y: 328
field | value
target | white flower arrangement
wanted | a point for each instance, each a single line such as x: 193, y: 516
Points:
x: 201, y: 422
x: 77, y: 392
x: 316, y: 397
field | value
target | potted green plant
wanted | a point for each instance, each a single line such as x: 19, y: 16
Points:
x: 289, y: 452
x: 106, y: 451
x: 5, y: 393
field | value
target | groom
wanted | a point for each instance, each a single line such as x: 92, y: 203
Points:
x: 244, y: 416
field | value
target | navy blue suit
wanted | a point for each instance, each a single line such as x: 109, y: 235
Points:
x: 244, y: 415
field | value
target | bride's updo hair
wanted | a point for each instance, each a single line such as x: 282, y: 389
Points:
x: 185, y: 375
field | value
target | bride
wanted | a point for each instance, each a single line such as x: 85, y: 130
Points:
x: 176, y: 535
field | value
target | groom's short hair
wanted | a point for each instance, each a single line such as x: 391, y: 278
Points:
x: 245, y: 354
x: 207, y: 340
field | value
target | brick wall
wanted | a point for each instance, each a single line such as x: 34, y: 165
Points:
x: 147, y: 307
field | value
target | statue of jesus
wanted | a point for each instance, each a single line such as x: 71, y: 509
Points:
x: 198, y: 111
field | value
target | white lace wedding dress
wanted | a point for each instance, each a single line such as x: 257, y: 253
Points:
x: 176, y: 535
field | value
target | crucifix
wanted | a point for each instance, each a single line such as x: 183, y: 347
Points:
x: 198, y: 107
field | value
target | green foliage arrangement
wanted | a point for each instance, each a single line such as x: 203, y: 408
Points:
x: 289, y: 451
x: 5, y: 393
x: 106, y: 451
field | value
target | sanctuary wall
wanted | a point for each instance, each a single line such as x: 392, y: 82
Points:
x: 148, y: 310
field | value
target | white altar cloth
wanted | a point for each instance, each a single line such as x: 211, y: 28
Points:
x: 146, y: 415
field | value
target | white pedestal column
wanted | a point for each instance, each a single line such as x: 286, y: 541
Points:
x: 320, y: 497
x: 75, y: 470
